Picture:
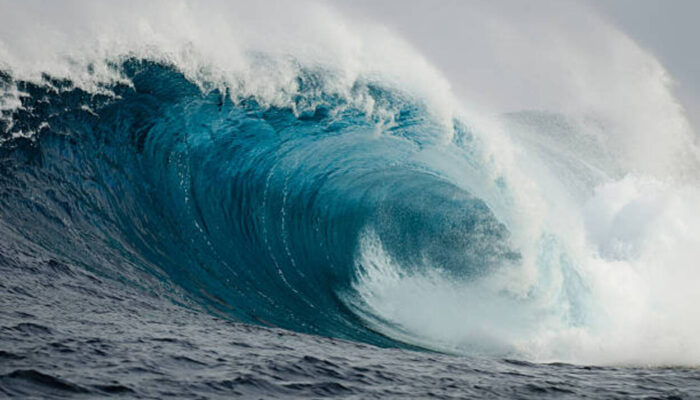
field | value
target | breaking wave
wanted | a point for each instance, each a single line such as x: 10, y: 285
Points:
x: 345, y: 194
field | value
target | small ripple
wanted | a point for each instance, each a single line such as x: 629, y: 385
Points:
x: 36, y: 378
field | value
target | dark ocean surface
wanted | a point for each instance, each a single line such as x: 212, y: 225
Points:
x: 69, y: 333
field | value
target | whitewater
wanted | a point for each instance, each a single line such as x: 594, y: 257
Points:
x: 279, y: 200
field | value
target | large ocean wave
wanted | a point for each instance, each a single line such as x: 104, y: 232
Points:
x: 346, y: 193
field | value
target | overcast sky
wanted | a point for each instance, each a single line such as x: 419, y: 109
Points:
x: 670, y: 30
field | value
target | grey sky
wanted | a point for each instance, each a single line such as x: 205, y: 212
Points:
x: 670, y: 30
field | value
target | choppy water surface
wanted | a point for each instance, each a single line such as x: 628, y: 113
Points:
x: 69, y: 333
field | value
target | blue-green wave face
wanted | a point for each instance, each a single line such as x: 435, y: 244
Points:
x: 258, y: 213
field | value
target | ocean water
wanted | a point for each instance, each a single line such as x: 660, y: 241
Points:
x: 218, y: 201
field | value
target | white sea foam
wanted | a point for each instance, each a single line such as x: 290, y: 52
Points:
x: 248, y: 49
